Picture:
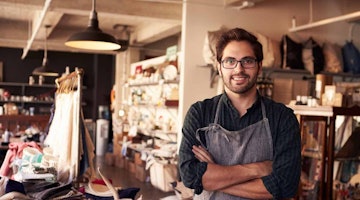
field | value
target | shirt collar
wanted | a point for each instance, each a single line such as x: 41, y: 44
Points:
x: 228, y: 103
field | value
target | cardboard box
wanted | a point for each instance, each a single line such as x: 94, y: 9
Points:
x: 286, y: 89
x: 161, y: 175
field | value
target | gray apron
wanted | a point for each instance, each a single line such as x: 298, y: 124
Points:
x: 251, y: 144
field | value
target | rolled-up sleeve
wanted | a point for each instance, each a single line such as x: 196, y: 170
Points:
x: 191, y: 170
x: 284, y: 180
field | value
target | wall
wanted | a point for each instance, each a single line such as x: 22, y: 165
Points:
x: 98, y: 78
x: 270, y: 17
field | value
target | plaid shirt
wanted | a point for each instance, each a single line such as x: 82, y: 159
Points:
x: 284, y: 179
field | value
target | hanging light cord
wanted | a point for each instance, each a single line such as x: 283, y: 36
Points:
x: 93, y: 16
x: 44, y: 63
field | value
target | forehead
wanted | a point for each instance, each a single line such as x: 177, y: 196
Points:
x: 238, y: 49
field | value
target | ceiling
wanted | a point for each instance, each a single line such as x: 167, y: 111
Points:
x: 23, y: 22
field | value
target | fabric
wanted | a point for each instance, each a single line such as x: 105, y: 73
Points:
x: 123, y: 193
x: 291, y: 53
x: 351, y: 56
x: 60, y: 130
x: 313, y: 57
x: 271, y: 51
x: 209, y: 49
x: 285, y: 132
x: 8, y: 186
x: 351, y: 149
x: 248, y: 145
x: 332, y: 57
x: 64, y: 127
x: 52, y: 192
x: 14, y: 152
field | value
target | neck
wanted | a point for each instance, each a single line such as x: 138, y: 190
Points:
x: 244, y: 101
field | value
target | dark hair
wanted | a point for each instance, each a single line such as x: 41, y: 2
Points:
x: 238, y: 34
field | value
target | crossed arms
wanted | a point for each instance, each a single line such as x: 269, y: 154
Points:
x: 238, y: 180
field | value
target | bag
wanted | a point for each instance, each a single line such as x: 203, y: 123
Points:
x: 313, y: 57
x: 351, y: 58
x: 291, y: 53
x: 271, y: 51
x: 209, y: 49
x: 332, y: 57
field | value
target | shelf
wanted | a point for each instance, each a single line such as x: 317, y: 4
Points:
x: 27, y: 85
x: 152, y: 83
x: 312, y: 111
x: 349, y: 17
x: 28, y: 102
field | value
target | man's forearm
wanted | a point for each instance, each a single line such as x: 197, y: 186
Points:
x: 253, y: 189
x: 219, y: 177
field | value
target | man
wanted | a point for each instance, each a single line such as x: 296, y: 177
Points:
x: 240, y: 145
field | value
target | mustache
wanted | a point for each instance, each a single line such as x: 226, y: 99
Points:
x: 240, y: 74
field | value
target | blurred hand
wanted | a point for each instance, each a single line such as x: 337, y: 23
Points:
x: 202, y: 154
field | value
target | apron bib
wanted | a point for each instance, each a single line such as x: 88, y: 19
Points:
x: 248, y: 145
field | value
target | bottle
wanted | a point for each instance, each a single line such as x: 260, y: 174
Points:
x: 6, y: 136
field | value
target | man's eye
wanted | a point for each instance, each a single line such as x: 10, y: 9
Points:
x: 248, y: 61
x: 230, y: 61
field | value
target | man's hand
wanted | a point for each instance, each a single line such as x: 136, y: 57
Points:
x: 202, y: 155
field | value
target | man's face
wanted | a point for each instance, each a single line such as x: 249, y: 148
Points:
x: 239, y: 80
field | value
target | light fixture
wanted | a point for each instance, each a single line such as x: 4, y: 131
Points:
x: 43, y: 69
x: 92, y: 38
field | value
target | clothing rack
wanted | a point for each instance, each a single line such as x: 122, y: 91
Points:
x: 68, y: 83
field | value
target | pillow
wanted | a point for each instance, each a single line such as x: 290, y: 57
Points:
x: 351, y: 56
x: 209, y: 49
x: 291, y: 53
x: 332, y: 57
x: 271, y: 51
x: 312, y: 56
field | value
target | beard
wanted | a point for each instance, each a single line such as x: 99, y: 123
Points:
x: 243, y: 88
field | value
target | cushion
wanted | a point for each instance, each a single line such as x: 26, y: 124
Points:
x: 271, y: 51
x: 332, y: 57
x: 209, y: 49
x: 313, y: 57
x: 351, y: 56
x: 291, y: 53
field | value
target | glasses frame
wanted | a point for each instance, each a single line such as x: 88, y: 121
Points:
x: 241, y: 61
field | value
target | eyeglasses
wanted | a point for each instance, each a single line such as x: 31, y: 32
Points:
x: 231, y: 63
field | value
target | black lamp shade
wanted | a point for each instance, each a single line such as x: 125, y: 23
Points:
x: 93, y: 39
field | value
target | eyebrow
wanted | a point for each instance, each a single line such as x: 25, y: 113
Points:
x: 246, y: 57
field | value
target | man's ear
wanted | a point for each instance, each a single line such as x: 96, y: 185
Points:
x: 260, y: 68
x: 219, y: 70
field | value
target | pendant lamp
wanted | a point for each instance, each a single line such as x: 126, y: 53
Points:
x: 43, y: 69
x: 92, y: 38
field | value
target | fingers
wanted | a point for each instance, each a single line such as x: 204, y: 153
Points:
x: 202, y: 154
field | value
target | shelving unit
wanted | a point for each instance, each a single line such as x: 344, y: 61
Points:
x: 25, y: 95
x: 150, y: 109
x: 326, y: 115
x: 348, y: 17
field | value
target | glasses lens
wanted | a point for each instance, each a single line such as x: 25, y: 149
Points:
x: 229, y: 63
x: 248, y: 62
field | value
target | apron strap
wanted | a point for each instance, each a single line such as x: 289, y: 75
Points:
x: 218, y: 110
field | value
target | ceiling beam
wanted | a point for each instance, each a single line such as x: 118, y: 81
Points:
x: 36, y: 28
